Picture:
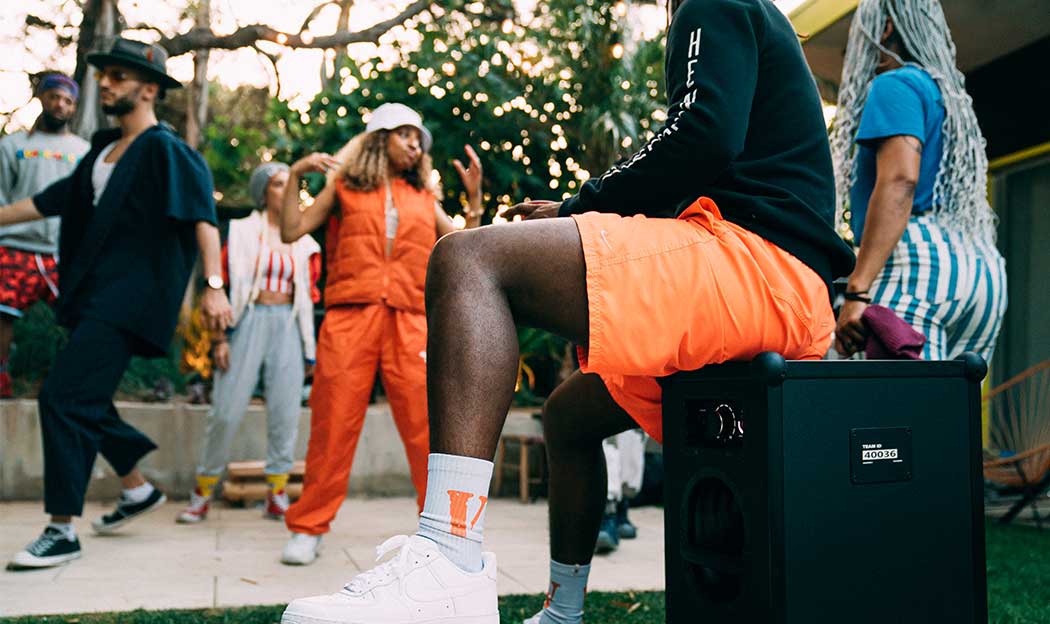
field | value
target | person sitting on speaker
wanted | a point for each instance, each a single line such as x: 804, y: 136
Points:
x: 743, y: 161
x: 910, y: 162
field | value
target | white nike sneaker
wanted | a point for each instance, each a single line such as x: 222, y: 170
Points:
x: 301, y: 549
x: 418, y: 586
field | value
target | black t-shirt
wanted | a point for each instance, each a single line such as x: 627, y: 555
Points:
x: 127, y: 260
x: 745, y: 127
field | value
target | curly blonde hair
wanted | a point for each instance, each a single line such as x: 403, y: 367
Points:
x: 365, y: 165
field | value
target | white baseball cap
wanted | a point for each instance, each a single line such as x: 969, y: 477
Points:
x: 393, y: 116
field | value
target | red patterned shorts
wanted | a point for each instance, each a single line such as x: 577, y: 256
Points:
x: 26, y: 278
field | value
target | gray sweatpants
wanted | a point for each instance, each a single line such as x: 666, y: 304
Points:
x: 265, y: 341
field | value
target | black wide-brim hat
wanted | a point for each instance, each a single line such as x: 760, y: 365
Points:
x: 148, y: 58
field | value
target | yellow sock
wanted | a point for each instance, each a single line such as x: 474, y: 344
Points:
x: 206, y: 484
x: 277, y: 482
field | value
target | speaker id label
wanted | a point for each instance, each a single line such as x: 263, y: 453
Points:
x: 880, y: 455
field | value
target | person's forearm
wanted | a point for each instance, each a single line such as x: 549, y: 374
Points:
x: 19, y: 212
x: 888, y: 214
x: 211, y: 249
x: 291, y: 217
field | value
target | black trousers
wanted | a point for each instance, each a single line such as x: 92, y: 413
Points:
x: 78, y: 419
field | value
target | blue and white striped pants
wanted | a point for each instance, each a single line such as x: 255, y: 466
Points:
x: 946, y: 286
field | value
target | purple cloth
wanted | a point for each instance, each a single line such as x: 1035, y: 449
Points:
x: 59, y: 81
x: 889, y: 337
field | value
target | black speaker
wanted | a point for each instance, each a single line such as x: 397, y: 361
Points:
x: 825, y: 492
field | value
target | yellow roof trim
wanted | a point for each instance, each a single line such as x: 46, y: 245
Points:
x: 1019, y: 157
x: 813, y: 16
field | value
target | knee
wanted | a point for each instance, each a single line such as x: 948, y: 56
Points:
x: 561, y: 429
x: 456, y: 259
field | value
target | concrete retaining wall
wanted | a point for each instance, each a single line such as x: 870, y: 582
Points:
x: 379, y: 469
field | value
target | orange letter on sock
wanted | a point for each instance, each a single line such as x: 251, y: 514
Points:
x: 484, y: 501
x: 458, y: 510
x: 550, y: 594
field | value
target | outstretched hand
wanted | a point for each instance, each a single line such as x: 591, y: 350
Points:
x: 470, y: 174
x: 317, y: 162
x: 538, y: 209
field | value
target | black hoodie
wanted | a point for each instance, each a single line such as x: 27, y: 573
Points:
x: 745, y: 127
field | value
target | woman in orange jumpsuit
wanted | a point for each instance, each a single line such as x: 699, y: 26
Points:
x: 385, y: 217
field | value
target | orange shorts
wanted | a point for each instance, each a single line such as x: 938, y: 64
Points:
x: 668, y: 295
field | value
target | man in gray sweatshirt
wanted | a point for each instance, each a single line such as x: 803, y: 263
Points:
x: 29, y: 162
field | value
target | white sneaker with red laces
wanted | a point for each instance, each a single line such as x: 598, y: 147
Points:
x: 418, y: 586
x: 277, y: 503
x: 196, y: 511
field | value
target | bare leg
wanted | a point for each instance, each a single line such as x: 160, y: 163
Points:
x: 479, y: 284
x: 133, y: 479
x: 576, y: 418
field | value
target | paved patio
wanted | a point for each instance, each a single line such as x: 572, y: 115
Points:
x: 232, y: 559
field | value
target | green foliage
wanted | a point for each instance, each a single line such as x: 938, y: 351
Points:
x: 38, y: 339
x: 546, y: 104
x: 1017, y: 571
x: 541, y: 355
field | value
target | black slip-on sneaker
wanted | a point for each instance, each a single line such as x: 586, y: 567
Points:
x: 127, y: 511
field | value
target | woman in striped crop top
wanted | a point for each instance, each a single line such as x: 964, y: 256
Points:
x: 272, y: 292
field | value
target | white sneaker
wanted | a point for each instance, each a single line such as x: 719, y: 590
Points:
x: 418, y: 586
x: 302, y: 549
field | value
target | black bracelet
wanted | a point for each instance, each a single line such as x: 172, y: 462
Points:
x: 860, y: 295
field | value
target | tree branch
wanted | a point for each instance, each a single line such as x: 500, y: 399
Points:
x: 314, y: 13
x: 35, y: 21
x: 247, y: 36
x: 273, y: 61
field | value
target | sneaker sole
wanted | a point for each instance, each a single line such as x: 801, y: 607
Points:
x: 186, y: 520
x: 38, y: 563
x: 109, y: 529
x: 300, y: 563
x: 291, y: 618
x: 604, y: 547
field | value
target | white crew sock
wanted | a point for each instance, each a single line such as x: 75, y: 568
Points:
x: 454, y: 511
x: 138, y: 494
x: 565, y: 596
x: 66, y: 528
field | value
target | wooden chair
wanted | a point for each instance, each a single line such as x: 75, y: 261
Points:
x: 525, y: 432
x: 1017, y: 457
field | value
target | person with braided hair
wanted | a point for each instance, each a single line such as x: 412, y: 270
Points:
x: 910, y: 162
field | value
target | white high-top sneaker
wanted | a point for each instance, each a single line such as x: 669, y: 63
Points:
x: 418, y: 586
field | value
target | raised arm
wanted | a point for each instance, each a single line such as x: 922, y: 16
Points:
x: 296, y: 221
x: 472, y: 178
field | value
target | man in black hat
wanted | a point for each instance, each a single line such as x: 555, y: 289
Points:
x: 134, y: 213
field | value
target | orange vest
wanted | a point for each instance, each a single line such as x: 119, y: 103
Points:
x: 359, y: 270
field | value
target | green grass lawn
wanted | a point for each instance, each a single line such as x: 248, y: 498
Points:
x: 1018, y: 590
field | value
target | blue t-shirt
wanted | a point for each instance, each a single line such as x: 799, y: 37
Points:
x: 904, y: 101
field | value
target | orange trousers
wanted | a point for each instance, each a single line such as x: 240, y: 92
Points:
x: 354, y: 341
